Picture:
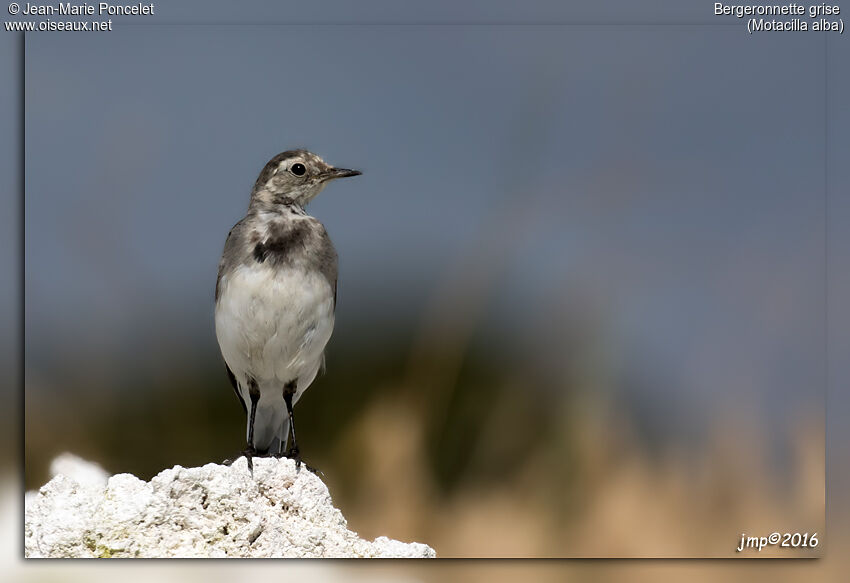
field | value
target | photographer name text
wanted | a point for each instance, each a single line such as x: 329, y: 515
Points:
x: 99, y: 9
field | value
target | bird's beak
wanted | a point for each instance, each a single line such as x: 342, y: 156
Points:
x: 334, y: 173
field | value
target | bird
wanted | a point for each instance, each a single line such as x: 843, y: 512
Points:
x: 275, y: 299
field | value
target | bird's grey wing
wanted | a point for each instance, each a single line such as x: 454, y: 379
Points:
x: 230, y: 257
x: 228, y: 260
x: 328, y: 261
x: 329, y: 266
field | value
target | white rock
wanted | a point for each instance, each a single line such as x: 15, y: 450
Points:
x: 211, y: 511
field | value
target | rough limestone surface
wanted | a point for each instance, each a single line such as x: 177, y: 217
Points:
x: 211, y: 511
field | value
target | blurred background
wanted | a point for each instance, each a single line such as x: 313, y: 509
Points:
x: 583, y: 283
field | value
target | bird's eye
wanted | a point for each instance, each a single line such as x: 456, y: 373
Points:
x: 298, y: 169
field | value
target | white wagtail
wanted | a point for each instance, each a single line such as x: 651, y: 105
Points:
x: 275, y: 298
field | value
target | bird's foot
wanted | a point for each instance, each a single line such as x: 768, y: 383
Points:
x: 249, y: 453
x: 294, y: 454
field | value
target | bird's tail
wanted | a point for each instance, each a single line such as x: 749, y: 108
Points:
x: 271, y: 429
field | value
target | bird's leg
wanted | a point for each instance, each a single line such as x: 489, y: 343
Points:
x: 288, y: 393
x: 250, y: 451
x: 293, y: 452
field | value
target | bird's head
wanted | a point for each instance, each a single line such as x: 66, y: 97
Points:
x: 295, y: 176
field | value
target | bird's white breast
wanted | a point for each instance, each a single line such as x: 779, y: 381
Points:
x: 273, y: 324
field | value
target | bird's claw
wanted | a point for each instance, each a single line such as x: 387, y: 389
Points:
x: 295, y: 455
x: 248, y: 453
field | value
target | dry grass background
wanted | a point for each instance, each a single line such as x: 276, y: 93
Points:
x: 630, y: 503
